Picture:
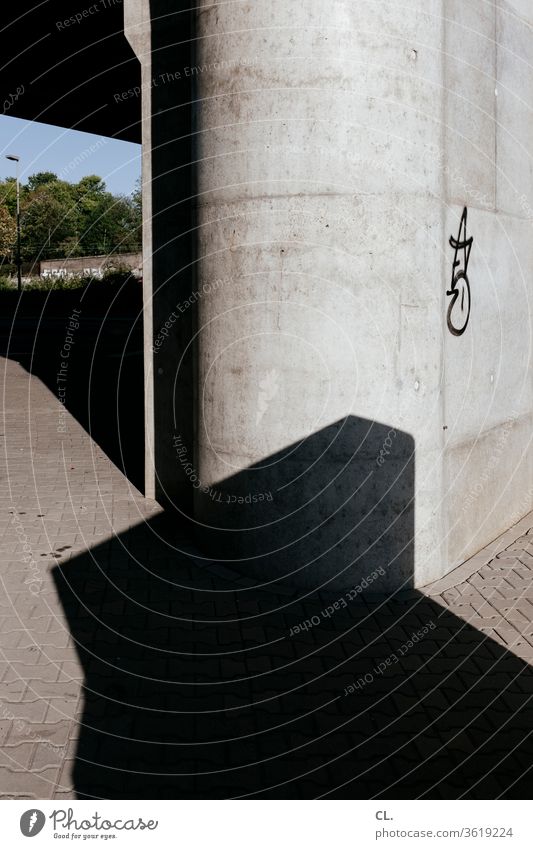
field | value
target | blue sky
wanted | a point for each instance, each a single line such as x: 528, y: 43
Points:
x: 70, y: 154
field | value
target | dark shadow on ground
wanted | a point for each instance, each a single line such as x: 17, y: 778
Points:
x: 202, y: 684
x: 103, y: 378
x: 334, y: 504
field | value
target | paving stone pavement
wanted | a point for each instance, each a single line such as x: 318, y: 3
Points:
x: 131, y: 667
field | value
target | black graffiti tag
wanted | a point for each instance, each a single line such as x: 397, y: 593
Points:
x: 459, y: 307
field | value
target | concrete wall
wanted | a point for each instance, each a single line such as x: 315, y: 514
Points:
x: 159, y: 32
x: 86, y: 265
x: 488, y: 389
x: 330, y: 422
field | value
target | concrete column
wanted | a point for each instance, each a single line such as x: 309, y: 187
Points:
x: 160, y: 33
x: 336, y: 411
x: 319, y: 338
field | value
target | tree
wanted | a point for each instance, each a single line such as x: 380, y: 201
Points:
x: 8, y: 194
x: 137, y: 211
x: 49, y: 218
x: 92, y: 202
x: 40, y: 179
x: 65, y: 219
x: 8, y: 231
x: 107, y: 222
x: 92, y: 185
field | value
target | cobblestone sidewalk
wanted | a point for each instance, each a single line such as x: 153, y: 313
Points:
x: 132, y: 668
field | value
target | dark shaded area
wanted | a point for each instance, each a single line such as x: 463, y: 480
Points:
x: 72, y: 74
x: 173, y: 242
x: 103, y: 379
x: 201, y: 684
x: 339, y: 503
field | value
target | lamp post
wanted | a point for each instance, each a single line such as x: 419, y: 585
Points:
x: 16, y: 159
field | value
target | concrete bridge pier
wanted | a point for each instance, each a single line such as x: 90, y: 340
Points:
x: 161, y: 38
x: 314, y: 402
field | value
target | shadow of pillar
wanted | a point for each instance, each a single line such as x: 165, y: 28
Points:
x: 199, y: 684
x: 325, y: 511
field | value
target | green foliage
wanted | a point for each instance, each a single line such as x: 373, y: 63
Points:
x: 49, y: 218
x: 8, y: 231
x: 68, y: 219
x: 49, y: 284
x: 8, y: 195
x: 117, y: 275
x: 114, y: 277
x: 40, y: 179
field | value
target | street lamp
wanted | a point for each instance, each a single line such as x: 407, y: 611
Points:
x: 16, y: 159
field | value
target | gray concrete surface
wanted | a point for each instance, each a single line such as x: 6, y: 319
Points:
x: 329, y: 157
x: 168, y: 244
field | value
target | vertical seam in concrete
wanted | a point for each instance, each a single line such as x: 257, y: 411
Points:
x: 496, y: 81
x: 443, y: 519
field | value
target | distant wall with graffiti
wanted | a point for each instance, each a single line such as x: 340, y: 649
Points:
x: 90, y: 265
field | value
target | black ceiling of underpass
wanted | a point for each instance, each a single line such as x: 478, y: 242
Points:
x: 69, y: 64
